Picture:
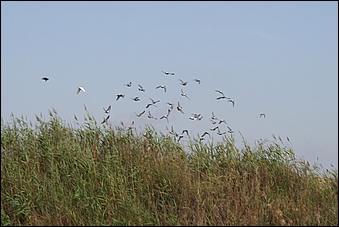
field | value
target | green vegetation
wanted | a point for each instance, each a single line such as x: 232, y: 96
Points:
x: 53, y: 173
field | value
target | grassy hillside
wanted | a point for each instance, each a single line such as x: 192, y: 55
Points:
x: 55, y: 174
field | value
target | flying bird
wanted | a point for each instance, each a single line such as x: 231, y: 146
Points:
x: 213, y: 116
x: 80, y: 89
x: 195, y: 115
x: 150, y: 115
x: 129, y: 84
x: 161, y: 86
x: 183, y: 131
x: 131, y: 126
x: 149, y: 104
x: 45, y: 78
x: 222, y: 93
x: 205, y: 133
x: 222, y: 121
x: 105, y: 119
x: 263, y: 114
x: 221, y: 133
x: 232, y: 101
x: 136, y: 99
x: 171, y: 105
x: 179, y: 108
x: 171, y: 108
x: 180, y: 137
x: 183, y: 83
x: 197, y: 80
x: 154, y: 102
x: 168, y: 73
x: 164, y: 116
x: 229, y: 129
x: 120, y: 96
x: 213, y: 129
x: 140, y: 88
x: 172, y: 132
x: 139, y: 115
x: 191, y: 118
x: 108, y: 109
x: 222, y: 97
x: 213, y: 122
x: 184, y: 94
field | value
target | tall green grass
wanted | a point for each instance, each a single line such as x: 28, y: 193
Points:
x: 53, y: 173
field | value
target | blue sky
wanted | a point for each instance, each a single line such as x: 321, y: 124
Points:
x: 280, y: 58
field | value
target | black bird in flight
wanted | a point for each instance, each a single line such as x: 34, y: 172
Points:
x: 205, y: 133
x: 45, y: 78
x: 183, y: 83
x: 136, y: 99
x: 168, y: 73
x: 129, y: 84
x: 120, y: 96
x: 140, y: 88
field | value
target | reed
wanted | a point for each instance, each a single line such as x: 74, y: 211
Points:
x: 53, y: 173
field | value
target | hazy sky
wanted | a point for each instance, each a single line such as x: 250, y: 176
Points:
x: 280, y: 58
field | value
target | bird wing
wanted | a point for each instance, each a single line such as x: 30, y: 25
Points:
x: 81, y: 88
x: 220, y: 92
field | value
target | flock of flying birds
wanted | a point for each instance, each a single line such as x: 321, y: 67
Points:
x: 216, y: 122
